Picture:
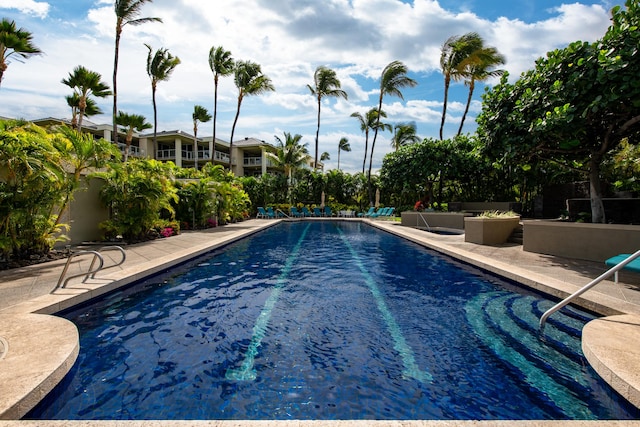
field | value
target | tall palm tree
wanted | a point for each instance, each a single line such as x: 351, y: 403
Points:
x: 16, y: 42
x: 405, y: 133
x: 91, y: 109
x: 160, y: 65
x: 249, y: 80
x: 221, y: 64
x: 326, y: 83
x: 200, y: 114
x: 343, y: 145
x: 367, y: 122
x: 290, y: 155
x: 454, y: 54
x: 480, y: 67
x: 85, y: 83
x: 394, y: 77
x: 131, y: 123
x: 127, y: 12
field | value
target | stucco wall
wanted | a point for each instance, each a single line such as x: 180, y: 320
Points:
x: 593, y: 242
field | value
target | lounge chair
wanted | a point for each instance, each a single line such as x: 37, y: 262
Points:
x: 317, y: 212
x: 294, y: 212
x: 261, y: 213
x: 632, y: 266
x: 327, y: 211
x: 379, y: 212
x: 371, y: 210
x: 305, y: 211
x: 270, y: 213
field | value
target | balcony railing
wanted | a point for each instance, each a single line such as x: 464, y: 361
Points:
x: 133, y: 150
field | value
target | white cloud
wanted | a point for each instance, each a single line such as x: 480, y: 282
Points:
x: 30, y: 7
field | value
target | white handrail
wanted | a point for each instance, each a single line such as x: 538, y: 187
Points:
x: 567, y: 300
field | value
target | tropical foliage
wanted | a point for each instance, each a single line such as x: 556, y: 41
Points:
x: 576, y: 106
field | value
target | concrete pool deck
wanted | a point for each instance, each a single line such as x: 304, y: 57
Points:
x: 36, y: 350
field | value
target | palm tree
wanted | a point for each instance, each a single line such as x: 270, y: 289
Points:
x: 14, y: 42
x: 200, y: 114
x: 127, y: 12
x: 85, y: 83
x: 480, y: 68
x: 290, y: 155
x: 343, y: 145
x: 455, y: 51
x: 91, y: 109
x: 249, y: 80
x: 159, y: 68
x: 325, y: 156
x: 221, y: 64
x: 131, y: 123
x: 405, y: 133
x: 394, y: 77
x: 367, y: 122
x: 326, y: 83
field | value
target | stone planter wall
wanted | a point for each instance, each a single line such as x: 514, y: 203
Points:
x: 489, y: 231
x: 434, y: 219
x: 593, y: 242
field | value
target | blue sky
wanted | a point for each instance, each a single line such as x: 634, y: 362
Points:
x: 289, y: 38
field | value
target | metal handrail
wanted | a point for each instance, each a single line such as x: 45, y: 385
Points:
x: 104, y: 249
x: 567, y: 300
x: 60, y: 284
x: 425, y: 222
x: 278, y: 210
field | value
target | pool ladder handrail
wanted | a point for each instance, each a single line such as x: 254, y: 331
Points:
x: 425, y: 222
x: 285, y: 215
x: 603, y: 276
x: 91, y: 272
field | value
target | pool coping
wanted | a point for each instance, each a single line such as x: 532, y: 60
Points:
x: 29, y: 326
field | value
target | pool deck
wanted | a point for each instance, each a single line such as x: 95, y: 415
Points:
x: 37, y: 349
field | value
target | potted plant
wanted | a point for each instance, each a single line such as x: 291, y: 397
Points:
x: 490, y: 227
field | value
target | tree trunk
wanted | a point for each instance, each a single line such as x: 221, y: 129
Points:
x: 444, y: 105
x: 595, y: 190
x: 315, y: 160
x: 466, y: 109
x: 155, y: 124
x: 115, y: 87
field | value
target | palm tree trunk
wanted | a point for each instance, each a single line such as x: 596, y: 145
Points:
x: 466, y: 108
x: 195, y: 146
x: 373, y: 145
x: 115, y: 88
x: 81, y: 113
x: 366, y: 148
x: 155, y: 123
x: 212, y: 149
x: 447, y: 80
x: 233, y: 129
x: 339, y: 150
x: 315, y: 160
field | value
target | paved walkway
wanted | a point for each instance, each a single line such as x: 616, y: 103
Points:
x: 25, y: 291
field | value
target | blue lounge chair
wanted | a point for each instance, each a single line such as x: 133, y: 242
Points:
x: 368, y: 213
x: 261, y: 213
x: 270, y: 213
x: 327, y: 211
x: 317, y: 212
x: 294, y: 212
x: 379, y: 212
x: 305, y: 211
x: 632, y: 266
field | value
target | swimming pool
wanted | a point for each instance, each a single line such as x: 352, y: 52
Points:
x: 328, y: 320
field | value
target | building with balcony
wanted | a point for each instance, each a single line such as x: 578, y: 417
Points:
x: 249, y: 154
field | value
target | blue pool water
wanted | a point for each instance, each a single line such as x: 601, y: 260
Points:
x: 328, y: 320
